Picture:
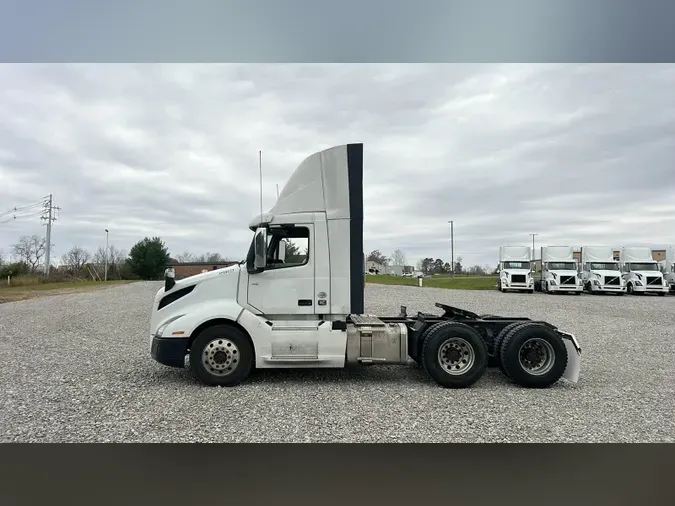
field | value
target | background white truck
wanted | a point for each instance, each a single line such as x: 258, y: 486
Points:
x: 600, y: 273
x: 668, y: 267
x: 515, y: 269
x: 306, y: 309
x: 559, y: 271
x: 641, y: 272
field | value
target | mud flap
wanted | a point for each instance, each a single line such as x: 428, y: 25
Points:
x: 574, y: 357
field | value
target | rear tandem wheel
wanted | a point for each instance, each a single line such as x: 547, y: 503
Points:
x: 454, y: 354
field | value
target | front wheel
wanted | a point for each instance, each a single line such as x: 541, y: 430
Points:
x: 454, y: 355
x: 629, y: 289
x: 221, y: 355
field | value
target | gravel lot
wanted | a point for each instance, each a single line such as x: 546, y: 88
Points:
x: 76, y: 368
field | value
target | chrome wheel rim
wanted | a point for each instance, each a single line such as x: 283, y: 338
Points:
x: 456, y: 356
x: 536, y: 356
x: 220, y: 357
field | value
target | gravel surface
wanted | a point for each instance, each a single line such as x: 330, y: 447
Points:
x: 76, y: 368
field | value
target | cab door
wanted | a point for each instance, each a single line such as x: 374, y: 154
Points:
x: 286, y: 286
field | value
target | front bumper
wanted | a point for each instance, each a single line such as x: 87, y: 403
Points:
x: 169, y: 351
x: 608, y: 288
x: 651, y: 289
x: 565, y: 288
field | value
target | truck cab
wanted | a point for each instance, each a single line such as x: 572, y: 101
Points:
x: 515, y: 269
x: 600, y: 272
x: 559, y: 270
x: 667, y: 267
x: 641, y: 272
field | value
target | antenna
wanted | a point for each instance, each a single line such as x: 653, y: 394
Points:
x: 277, y: 191
x: 261, y: 183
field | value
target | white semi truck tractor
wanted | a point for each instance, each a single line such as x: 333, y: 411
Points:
x: 600, y: 272
x: 668, y: 267
x: 303, y: 307
x: 515, y: 269
x: 559, y: 271
x: 641, y: 272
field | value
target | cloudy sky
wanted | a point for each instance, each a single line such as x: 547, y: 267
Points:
x: 579, y: 154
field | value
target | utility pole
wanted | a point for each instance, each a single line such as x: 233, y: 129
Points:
x: 105, y: 275
x: 452, y: 249
x: 50, y: 208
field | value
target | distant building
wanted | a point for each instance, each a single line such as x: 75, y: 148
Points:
x: 373, y: 267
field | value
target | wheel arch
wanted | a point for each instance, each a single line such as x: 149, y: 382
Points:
x: 220, y: 321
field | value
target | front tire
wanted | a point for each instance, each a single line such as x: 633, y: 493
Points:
x: 533, y: 355
x: 454, y: 355
x: 221, y: 355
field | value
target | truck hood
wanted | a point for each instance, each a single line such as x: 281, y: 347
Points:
x: 200, y: 278
x: 564, y: 273
x: 606, y: 273
x: 516, y: 271
x: 651, y: 274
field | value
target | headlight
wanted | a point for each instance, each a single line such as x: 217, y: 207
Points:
x: 552, y: 282
x: 160, y: 330
x: 638, y: 283
x: 596, y: 282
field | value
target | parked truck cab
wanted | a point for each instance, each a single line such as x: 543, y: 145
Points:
x: 600, y: 272
x: 515, y: 269
x: 641, y: 272
x: 668, y: 267
x: 297, y: 301
x: 559, y: 271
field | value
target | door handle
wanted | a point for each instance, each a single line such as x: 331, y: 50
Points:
x: 304, y: 302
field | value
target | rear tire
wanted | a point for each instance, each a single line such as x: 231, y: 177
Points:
x: 496, y: 358
x: 221, y: 355
x: 533, y: 355
x: 454, y: 355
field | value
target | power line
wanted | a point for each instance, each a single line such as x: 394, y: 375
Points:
x: 21, y: 217
x: 25, y: 207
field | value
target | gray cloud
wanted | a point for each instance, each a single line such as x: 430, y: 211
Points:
x: 575, y: 153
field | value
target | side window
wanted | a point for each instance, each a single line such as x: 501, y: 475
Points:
x: 295, y: 242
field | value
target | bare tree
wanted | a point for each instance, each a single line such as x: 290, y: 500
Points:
x: 186, y: 257
x: 75, y: 259
x: 398, y: 258
x: 31, y: 250
x: 212, y: 258
x: 2, y: 257
x: 116, y: 259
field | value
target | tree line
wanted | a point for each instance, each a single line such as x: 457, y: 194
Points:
x: 430, y: 265
x: 147, y: 260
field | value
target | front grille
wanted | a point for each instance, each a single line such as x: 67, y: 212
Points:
x: 653, y: 280
x: 518, y: 278
x: 612, y: 280
x: 567, y: 280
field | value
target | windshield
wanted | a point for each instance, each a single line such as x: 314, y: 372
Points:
x: 643, y: 267
x: 561, y: 266
x: 516, y: 265
x: 601, y: 266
